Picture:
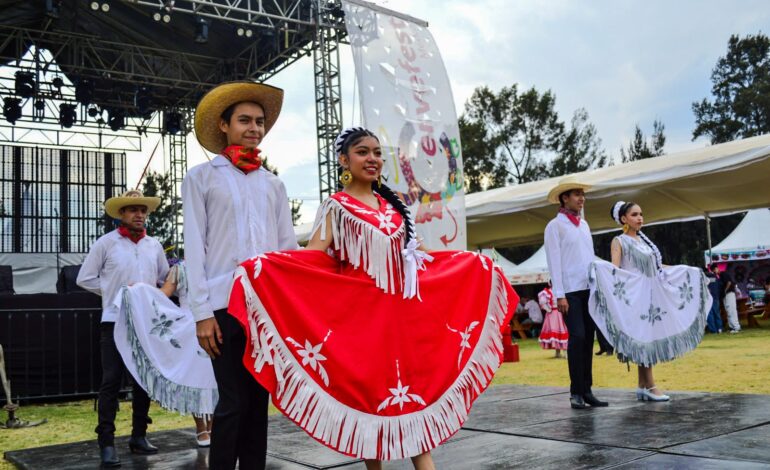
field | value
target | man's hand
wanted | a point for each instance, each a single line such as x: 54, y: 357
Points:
x: 561, y: 304
x: 209, y: 336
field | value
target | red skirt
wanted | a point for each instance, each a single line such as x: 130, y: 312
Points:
x: 370, y: 374
x: 554, y: 334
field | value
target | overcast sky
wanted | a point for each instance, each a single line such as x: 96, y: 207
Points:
x: 625, y: 62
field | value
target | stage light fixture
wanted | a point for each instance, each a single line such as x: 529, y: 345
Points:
x: 39, y: 105
x: 12, y: 109
x: 240, y: 31
x: 166, y: 18
x: 173, y: 122
x: 95, y: 6
x: 57, y: 82
x: 93, y: 111
x: 84, y: 91
x: 106, y: 7
x: 116, y: 119
x: 201, y: 30
x: 67, y: 115
x: 156, y: 16
x: 249, y: 33
x: 25, y: 84
x: 143, y: 101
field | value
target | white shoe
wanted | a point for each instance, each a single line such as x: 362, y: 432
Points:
x: 734, y: 332
x: 203, y: 442
x: 645, y: 394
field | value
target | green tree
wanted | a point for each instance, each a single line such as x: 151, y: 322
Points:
x: 296, y: 205
x: 740, y: 90
x: 481, y: 168
x: 580, y: 148
x: 522, y: 131
x: 160, y: 223
x: 639, y: 148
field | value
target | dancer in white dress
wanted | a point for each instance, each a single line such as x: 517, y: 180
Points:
x: 649, y: 312
x: 157, y: 341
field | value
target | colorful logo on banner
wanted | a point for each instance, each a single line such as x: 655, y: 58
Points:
x: 407, y: 101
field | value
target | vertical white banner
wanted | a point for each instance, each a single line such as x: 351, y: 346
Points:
x: 407, y: 101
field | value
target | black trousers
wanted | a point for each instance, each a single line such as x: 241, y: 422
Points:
x: 604, y: 345
x: 239, y: 431
x: 112, y: 376
x: 581, y: 329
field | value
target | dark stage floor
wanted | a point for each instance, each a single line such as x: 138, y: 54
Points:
x: 512, y: 426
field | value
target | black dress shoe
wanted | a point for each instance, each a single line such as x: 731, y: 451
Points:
x: 140, y: 445
x: 590, y: 399
x: 577, y: 402
x: 601, y: 351
x: 109, y: 457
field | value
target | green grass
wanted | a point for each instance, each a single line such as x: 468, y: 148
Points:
x: 722, y: 363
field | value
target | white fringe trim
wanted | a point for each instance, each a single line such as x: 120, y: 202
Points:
x: 199, y: 402
x: 359, y: 434
x: 364, y: 245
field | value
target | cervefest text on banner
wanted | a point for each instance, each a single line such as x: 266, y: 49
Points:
x: 407, y: 101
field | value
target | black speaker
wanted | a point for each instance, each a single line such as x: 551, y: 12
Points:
x: 66, y: 283
x: 6, y: 280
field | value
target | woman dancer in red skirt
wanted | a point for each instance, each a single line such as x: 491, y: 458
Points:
x: 374, y: 347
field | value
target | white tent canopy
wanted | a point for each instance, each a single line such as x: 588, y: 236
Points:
x: 711, y: 180
x: 749, y: 241
x: 532, y: 271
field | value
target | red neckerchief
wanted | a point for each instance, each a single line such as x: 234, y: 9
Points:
x: 573, y: 216
x: 246, y: 160
x: 133, y: 236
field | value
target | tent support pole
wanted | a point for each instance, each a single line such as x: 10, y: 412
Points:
x: 708, y: 234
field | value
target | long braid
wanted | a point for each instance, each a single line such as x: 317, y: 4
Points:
x: 395, y: 201
x: 655, y: 250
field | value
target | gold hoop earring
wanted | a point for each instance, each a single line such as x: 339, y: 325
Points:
x: 625, y: 228
x: 379, y: 181
x: 346, y: 177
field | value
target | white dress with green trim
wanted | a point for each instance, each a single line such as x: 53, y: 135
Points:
x: 649, y: 313
x: 157, y: 341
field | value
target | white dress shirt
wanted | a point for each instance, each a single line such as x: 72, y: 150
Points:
x: 115, y: 261
x: 569, y: 251
x: 533, y: 311
x: 229, y: 217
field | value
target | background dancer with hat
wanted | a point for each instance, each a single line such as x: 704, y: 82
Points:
x: 233, y: 210
x: 569, y: 251
x: 122, y: 257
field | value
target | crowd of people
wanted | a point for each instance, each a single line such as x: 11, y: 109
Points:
x: 259, y: 319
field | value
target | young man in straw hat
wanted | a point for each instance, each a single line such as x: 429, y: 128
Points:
x: 122, y: 257
x: 233, y: 210
x: 569, y: 251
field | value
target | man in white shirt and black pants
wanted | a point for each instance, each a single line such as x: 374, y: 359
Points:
x: 234, y: 209
x: 569, y: 251
x: 122, y: 257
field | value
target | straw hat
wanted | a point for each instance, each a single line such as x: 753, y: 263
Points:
x: 565, y: 184
x: 214, y: 103
x: 113, y: 205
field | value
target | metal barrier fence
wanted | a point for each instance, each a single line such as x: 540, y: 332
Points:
x: 51, y: 353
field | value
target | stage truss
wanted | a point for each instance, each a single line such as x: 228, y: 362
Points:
x: 282, y: 31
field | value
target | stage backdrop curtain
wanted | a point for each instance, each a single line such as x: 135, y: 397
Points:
x: 36, y: 273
